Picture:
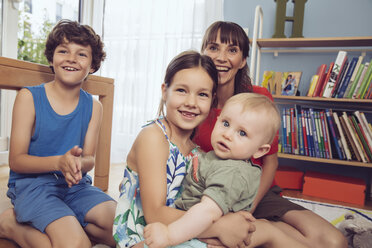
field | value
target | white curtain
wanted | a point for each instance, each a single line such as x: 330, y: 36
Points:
x: 141, y: 37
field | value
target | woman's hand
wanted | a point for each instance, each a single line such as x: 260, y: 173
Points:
x: 235, y: 230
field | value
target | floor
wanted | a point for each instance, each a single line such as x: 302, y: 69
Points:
x: 116, y: 172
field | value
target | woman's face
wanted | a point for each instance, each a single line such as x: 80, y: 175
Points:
x: 228, y: 59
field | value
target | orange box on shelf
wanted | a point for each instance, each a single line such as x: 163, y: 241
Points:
x: 334, y: 187
x: 289, y: 178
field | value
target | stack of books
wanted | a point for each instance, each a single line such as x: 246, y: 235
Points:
x: 344, y: 78
x: 324, y: 133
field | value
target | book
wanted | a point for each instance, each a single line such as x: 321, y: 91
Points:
x: 356, y: 81
x: 334, y: 134
x: 340, y: 78
x: 321, y: 72
x: 326, y: 136
x: 342, y: 136
x: 358, y: 141
x: 349, y: 141
x: 290, y: 82
x: 267, y: 81
x: 338, y: 65
x: 284, y: 130
x: 367, y: 125
x: 345, y: 82
x: 304, y: 133
x: 353, y: 137
x: 289, y: 131
x: 353, y: 76
x: 363, y: 85
x: 319, y: 132
x: 364, y: 146
x: 366, y: 81
x: 314, y: 133
x: 365, y: 128
x: 313, y: 82
x: 300, y: 139
x: 368, y: 94
x: 328, y: 74
x: 294, y: 143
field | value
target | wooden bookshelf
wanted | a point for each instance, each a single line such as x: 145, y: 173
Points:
x: 324, y: 160
x: 316, y: 42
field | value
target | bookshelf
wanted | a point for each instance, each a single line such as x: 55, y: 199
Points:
x: 362, y: 44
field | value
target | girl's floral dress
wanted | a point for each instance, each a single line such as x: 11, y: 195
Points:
x: 129, y: 219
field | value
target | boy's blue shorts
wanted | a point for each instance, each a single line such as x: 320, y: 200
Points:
x: 40, y: 200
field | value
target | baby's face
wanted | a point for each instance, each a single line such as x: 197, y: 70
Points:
x: 237, y: 134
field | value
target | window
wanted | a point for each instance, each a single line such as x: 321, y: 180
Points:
x: 28, y: 6
x: 59, y: 12
x: 35, y: 21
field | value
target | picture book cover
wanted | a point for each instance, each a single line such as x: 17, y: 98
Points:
x: 290, y: 82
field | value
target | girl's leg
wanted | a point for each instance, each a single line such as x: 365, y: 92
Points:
x: 101, y: 220
x: 268, y: 235
x: 311, y: 229
x: 23, y: 235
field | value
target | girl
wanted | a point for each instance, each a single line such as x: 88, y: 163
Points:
x: 228, y: 45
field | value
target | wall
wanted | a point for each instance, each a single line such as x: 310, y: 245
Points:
x: 329, y: 18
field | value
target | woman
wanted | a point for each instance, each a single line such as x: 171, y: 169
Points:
x: 228, y: 46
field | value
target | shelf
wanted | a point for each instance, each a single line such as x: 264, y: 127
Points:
x: 315, y: 42
x: 324, y: 160
x: 322, y: 102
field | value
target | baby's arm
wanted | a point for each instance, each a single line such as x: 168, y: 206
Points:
x: 195, y: 221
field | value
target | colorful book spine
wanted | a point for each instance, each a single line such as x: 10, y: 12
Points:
x: 314, y: 132
x: 319, y: 132
x: 334, y: 133
x: 342, y: 136
x: 289, y: 138
x: 313, y: 82
x: 327, y: 147
x: 345, y: 82
x: 339, y: 63
x: 349, y: 140
x: 309, y: 134
x: 284, y: 131
x: 365, y: 128
x: 364, y: 84
x: 365, y: 147
x: 341, y: 78
x: 303, y: 124
x: 358, y: 80
x: 321, y: 72
x: 293, y: 131
x: 353, y: 76
x: 354, y: 137
x: 300, y: 139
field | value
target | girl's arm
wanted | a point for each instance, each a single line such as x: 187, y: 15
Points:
x: 195, y: 221
x: 149, y: 157
x: 269, y: 166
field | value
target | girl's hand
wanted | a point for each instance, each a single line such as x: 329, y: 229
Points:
x: 70, y: 165
x: 235, y: 229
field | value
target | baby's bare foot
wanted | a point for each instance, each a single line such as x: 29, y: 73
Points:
x: 7, y: 222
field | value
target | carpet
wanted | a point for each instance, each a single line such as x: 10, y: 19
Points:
x: 332, y: 213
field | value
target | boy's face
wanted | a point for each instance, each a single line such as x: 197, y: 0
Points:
x: 72, y: 63
x: 239, y: 135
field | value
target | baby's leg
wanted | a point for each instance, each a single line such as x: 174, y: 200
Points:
x: 24, y: 235
x: 100, y: 222
x: 267, y: 235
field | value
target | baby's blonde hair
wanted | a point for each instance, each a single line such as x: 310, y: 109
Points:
x: 259, y: 104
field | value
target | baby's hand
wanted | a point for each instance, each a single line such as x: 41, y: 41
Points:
x: 70, y: 165
x: 156, y: 235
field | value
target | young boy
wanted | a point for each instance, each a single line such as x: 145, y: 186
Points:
x: 53, y: 142
x: 222, y: 180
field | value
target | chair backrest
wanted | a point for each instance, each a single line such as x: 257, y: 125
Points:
x: 15, y: 74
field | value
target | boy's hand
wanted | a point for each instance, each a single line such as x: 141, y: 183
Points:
x: 156, y: 235
x: 70, y: 165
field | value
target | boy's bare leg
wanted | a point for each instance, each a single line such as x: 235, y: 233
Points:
x: 311, y: 229
x: 24, y: 235
x: 101, y: 220
x: 268, y: 235
x: 67, y: 232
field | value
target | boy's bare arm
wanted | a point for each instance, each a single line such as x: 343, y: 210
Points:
x: 195, y: 221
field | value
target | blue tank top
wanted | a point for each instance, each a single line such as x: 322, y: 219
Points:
x: 56, y: 134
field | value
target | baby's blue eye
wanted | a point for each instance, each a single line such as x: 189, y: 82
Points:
x: 226, y: 124
x: 242, y: 133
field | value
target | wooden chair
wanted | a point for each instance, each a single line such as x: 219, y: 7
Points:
x: 15, y: 74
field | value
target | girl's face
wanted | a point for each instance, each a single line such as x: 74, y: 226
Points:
x: 188, y: 99
x: 228, y: 59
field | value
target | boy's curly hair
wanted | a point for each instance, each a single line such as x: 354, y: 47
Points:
x: 72, y: 31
